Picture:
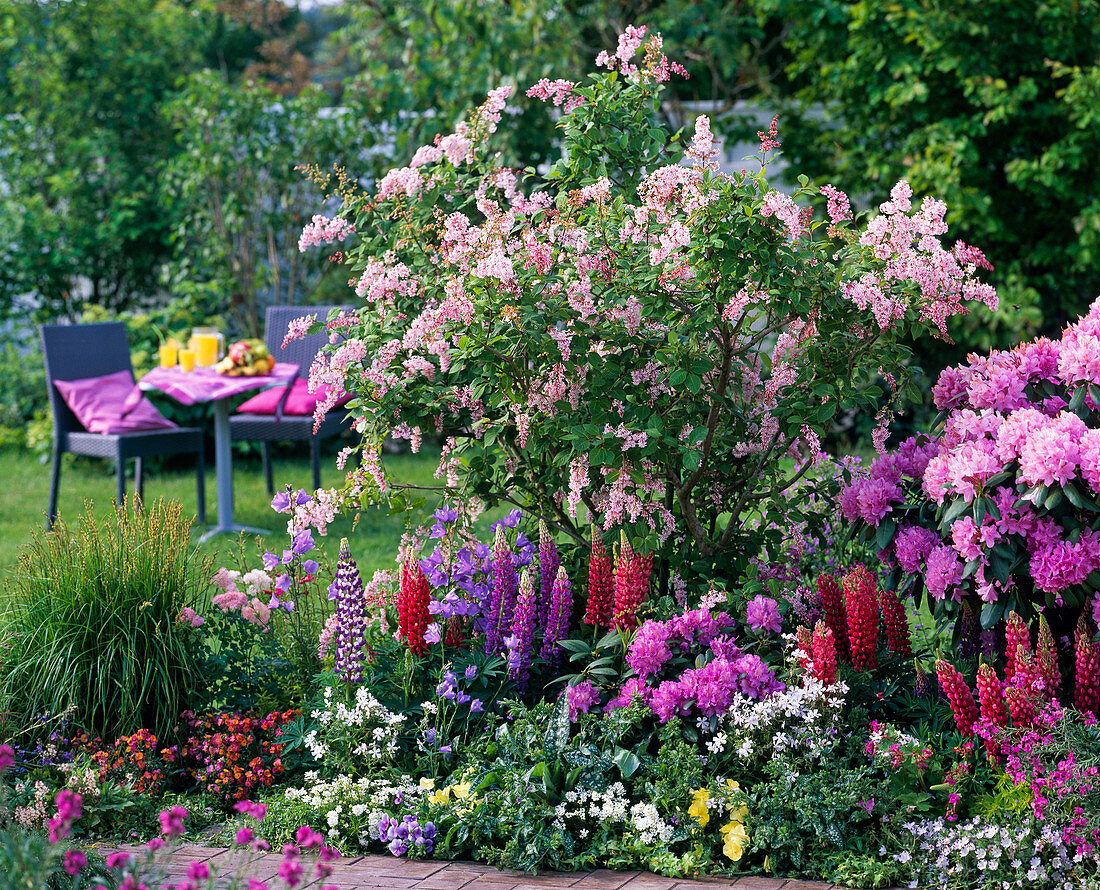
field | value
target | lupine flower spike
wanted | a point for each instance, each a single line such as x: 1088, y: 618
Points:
x: 557, y: 624
x: 1086, y: 690
x: 351, y: 616
x: 503, y: 599
x: 896, y: 623
x: 833, y: 603
x: 413, y: 597
x: 991, y: 697
x: 523, y: 632
x: 632, y: 574
x: 959, y: 695
x: 861, y: 602
x: 824, y: 654
x: 1047, y: 656
x: 549, y: 560
x: 600, y: 589
x: 805, y: 639
x: 1016, y: 635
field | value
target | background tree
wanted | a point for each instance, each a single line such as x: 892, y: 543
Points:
x: 241, y: 199
x: 82, y: 148
x: 991, y: 106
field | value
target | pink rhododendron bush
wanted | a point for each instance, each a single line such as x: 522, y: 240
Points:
x: 631, y: 338
x: 995, y: 510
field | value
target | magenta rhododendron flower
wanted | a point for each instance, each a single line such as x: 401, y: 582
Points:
x: 762, y: 613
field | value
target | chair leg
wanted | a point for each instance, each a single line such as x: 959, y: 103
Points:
x: 315, y: 460
x: 55, y: 481
x: 265, y: 454
x: 139, y: 479
x: 200, y: 481
x: 120, y: 479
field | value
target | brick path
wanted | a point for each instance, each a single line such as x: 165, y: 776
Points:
x: 391, y: 873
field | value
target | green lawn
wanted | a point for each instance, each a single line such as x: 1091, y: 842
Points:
x: 374, y: 537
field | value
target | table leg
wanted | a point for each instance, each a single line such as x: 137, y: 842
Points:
x: 223, y: 471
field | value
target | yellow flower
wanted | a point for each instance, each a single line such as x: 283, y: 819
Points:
x: 742, y: 811
x: 734, y: 838
x: 427, y: 784
x: 698, y: 809
x: 461, y: 790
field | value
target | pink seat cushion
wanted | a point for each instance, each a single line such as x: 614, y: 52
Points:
x: 299, y: 402
x: 109, y: 405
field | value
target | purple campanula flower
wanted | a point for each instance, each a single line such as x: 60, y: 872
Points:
x: 446, y: 750
x: 274, y: 602
x: 310, y: 567
x: 476, y: 707
x: 431, y: 633
x: 270, y: 561
x: 281, y: 502
x: 303, y: 542
x: 471, y: 671
x: 282, y: 583
x: 302, y: 497
x: 512, y: 519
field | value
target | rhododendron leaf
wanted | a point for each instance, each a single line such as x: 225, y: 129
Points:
x: 884, y: 534
x: 970, y: 568
x: 954, y: 511
x: 1094, y: 393
x: 1053, y: 499
x: 1078, y: 398
x: 993, y: 612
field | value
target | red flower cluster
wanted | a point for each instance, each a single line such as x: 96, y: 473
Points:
x: 232, y: 753
x: 600, y: 589
x: 896, y: 623
x: 413, y: 597
x: 853, y: 618
x: 632, y: 571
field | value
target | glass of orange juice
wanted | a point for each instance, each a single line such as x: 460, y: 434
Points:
x: 187, y: 359
x: 206, y: 349
x: 169, y: 352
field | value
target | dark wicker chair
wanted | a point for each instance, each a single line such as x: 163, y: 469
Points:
x: 267, y: 428
x: 75, y: 352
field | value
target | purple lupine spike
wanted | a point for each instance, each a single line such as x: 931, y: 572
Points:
x: 523, y: 632
x: 351, y: 616
x: 557, y: 624
x: 503, y: 600
x: 549, y: 560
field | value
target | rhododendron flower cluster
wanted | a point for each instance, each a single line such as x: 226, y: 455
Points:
x: 997, y: 505
x: 630, y: 340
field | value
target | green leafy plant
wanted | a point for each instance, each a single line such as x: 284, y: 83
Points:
x: 95, y: 621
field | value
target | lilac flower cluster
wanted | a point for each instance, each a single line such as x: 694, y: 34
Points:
x: 400, y: 834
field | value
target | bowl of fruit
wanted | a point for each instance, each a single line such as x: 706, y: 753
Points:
x: 246, y: 358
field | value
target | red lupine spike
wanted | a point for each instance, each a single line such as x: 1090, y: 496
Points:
x: 832, y: 601
x: 1086, y: 689
x: 413, y: 597
x: 600, y: 586
x: 804, y: 638
x: 824, y: 654
x: 1046, y: 655
x: 1021, y: 705
x: 959, y: 695
x: 991, y: 697
x: 896, y: 622
x: 1016, y: 635
x: 632, y: 592
x: 861, y: 604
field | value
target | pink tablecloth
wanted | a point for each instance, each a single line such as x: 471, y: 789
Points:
x: 206, y: 385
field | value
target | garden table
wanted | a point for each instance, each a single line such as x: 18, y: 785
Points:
x: 207, y: 385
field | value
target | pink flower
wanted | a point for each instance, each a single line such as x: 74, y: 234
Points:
x: 171, y: 822
x: 73, y: 861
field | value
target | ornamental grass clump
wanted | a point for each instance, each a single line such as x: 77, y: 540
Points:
x: 95, y: 621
